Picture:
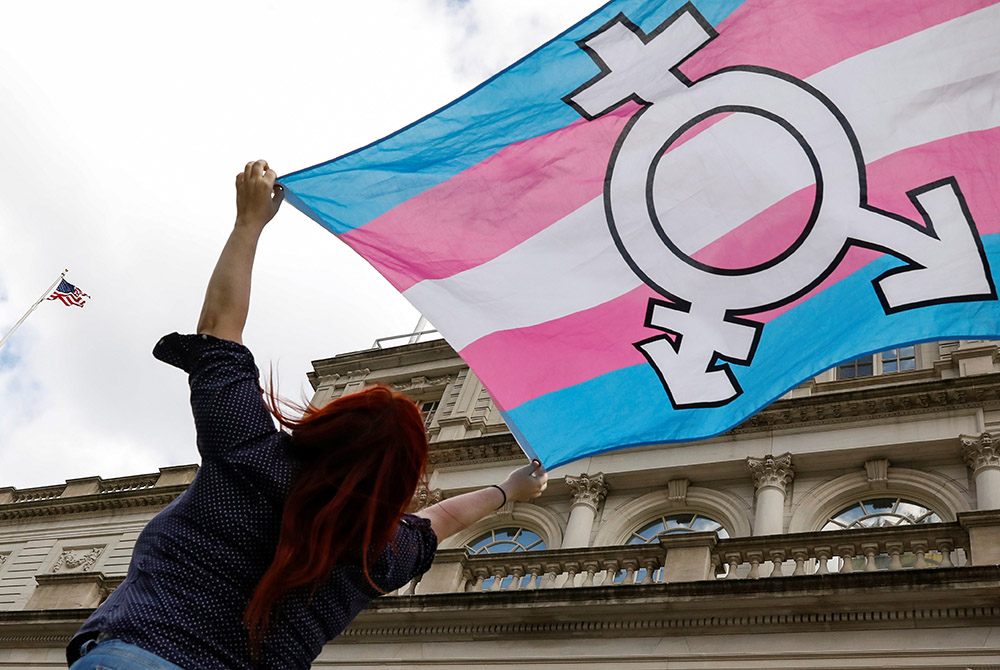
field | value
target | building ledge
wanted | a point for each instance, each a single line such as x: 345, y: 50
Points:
x: 876, y: 403
x: 911, y: 599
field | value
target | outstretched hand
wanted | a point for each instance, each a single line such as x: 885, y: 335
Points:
x: 526, y: 483
x: 257, y: 196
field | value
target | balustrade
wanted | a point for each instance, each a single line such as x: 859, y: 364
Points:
x: 939, y: 545
x: 123, y: 484
x: 38, y: 494
x: 702, y: 556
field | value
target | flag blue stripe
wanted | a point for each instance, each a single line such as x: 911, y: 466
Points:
x: 630, y: 406
x: 522, y: 102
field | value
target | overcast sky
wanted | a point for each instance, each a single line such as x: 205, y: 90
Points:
x: 122, y: 126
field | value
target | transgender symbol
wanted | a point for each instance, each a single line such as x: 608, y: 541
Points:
x: 944, y: 257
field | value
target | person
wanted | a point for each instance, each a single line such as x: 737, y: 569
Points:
x: 283, y: 536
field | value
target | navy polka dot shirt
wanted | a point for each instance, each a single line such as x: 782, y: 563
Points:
x: 196, y: 564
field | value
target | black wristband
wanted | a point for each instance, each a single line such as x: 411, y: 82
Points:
x: 504, y: 493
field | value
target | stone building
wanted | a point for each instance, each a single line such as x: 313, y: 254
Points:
x: 853, y: 523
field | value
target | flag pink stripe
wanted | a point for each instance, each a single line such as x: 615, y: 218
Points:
x: 486, y: 210
x: 494, y: 206
x: 803, y: 38
x: 584, y: 345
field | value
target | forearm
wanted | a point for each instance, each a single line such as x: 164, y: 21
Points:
x: 455, y: 514
x: 227, y: 298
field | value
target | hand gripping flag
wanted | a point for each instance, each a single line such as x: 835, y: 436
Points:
x: 68, y: 294
x: 661, y: 220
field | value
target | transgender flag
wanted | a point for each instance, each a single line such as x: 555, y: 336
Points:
x: 666, y: 217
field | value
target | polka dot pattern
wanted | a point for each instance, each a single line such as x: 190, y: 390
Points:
x: 196, y: 564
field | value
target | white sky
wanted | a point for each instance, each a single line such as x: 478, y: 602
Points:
x: 122, y: 126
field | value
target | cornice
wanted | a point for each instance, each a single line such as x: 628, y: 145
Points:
x: 486, y: 449
x: 100, y: 502
x: 708, y: 624
x: 438, y: 353
x: 944, y: 597
x: 928, y: 598
x: 822, y: 409
x: 880, y: 402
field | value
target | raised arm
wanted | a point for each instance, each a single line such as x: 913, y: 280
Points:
x: 227, y: 299
x: 454, y: 514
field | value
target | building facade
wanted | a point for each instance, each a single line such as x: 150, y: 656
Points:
x: 853, y: 523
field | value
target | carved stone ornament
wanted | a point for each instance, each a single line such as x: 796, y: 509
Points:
x: 588, y: 490
x: 425, y: 497
x: 772, y: 471
x: 878, y: 472
x: 980, y: 452
x: 835, y: 408
x: 677, y: 490
x: 502, y: 449
x: 77, y: 560
x: 420, y: 383
x: 3, y: 558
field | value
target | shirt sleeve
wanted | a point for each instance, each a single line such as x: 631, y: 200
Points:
x: 410, y: 554
x: 226, y: 401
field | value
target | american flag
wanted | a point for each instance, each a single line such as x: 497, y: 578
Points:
x: 69, y: 294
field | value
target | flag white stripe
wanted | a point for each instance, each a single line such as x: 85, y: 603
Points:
x: 883, y: 92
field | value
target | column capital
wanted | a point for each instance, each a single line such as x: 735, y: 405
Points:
x: 772, y: 471
x: 981, y: 452
x: 588, y: 489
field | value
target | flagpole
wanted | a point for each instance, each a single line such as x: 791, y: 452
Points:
x: 31, y: 309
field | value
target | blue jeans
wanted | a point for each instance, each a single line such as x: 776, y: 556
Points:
x: 117, y: 655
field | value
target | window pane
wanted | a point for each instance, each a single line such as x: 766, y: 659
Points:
x: 880, y: 504
x: 907, y: 351
x: 908, y: 364
x: 865, y: 368
x: 889, y: 366
x: 505, y: 541
x: 880, y: 513
x: 850, y: 515
x: 702, y: 524
x: 676, y: 524
x: 678, y: 521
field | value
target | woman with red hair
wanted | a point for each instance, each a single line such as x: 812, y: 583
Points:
x: 284, y: 535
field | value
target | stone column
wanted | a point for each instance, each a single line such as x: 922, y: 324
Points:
x: 588, y: 492
x: 982, y: 453
x: 770, y: 476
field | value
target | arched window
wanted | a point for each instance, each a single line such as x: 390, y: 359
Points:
x: 669, y: 524
x: 881, y: 512
x: 676, y: 523
x: 505, y: 541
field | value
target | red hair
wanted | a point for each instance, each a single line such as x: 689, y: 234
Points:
x: 363, y: 456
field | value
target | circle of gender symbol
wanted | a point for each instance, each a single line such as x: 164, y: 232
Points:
x: 704, y: 303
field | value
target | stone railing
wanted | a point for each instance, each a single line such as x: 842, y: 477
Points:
x: 135, y: 483
x: 37, y: 494
x: 939, y: 545
x: 631, y: 564
x: 75, y: 489
x: 973, y: 540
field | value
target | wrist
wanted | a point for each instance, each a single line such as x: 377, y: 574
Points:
x: 502, y: 492
x: 250, y: 222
